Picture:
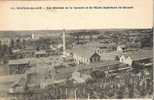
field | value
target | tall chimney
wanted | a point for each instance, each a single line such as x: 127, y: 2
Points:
x: 64, y: 43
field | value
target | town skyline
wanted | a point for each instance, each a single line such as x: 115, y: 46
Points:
x: 94, y: 64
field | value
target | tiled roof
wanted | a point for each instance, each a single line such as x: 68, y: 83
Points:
x: 19, y: 61
x: 110, y: 55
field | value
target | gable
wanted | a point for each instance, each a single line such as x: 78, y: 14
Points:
x: 95, y: 55
x: 122, y: 58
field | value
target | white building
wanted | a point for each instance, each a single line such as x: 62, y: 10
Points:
x: 5, y: 41
x: 35, y: 36
x: 121, y: 48
x: 85, y: 55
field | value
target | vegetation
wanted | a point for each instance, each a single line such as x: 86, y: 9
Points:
x: 125, y: 85
x: 5, y: 51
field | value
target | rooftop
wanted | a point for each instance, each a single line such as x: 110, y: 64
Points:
x: 96, y: 65
x: 40, y: 52
x: 110, y: 55
x: 65, y: 71
x: 19, y: 61
x: 84, y: 51
x: 140, y: 54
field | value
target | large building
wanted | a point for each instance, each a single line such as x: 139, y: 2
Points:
x: 141, y: 57
x: 84, y: 55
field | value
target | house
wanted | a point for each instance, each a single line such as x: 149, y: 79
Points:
x: 16, y: 54
x: 105, y: 48
x: 22, y: 53
x: 35, y: 36
x: 94, y: 52
x: 134, y: 45
x: 18, y: 66
x: 85, y: 55
x: 5, y: 41
x: 121, y: 48
x: 41, y: 53
x: 27, y: 53
x: 141, y: 57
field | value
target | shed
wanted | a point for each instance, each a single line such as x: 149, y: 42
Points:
x: 18, y: 66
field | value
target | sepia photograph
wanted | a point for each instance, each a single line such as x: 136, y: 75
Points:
x: 76, y: 64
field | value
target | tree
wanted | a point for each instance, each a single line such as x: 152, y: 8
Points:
x: 0, y: 48
x: 18, y: 43
x: 24, y: 43
x: 12, y: 45
x: 120, y: 92
x: 0, y: 43
x: 117, y: 58
x: 4, y: 49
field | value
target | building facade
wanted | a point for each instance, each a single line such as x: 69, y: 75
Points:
x: 141, y: 57
x: 85, y: 55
